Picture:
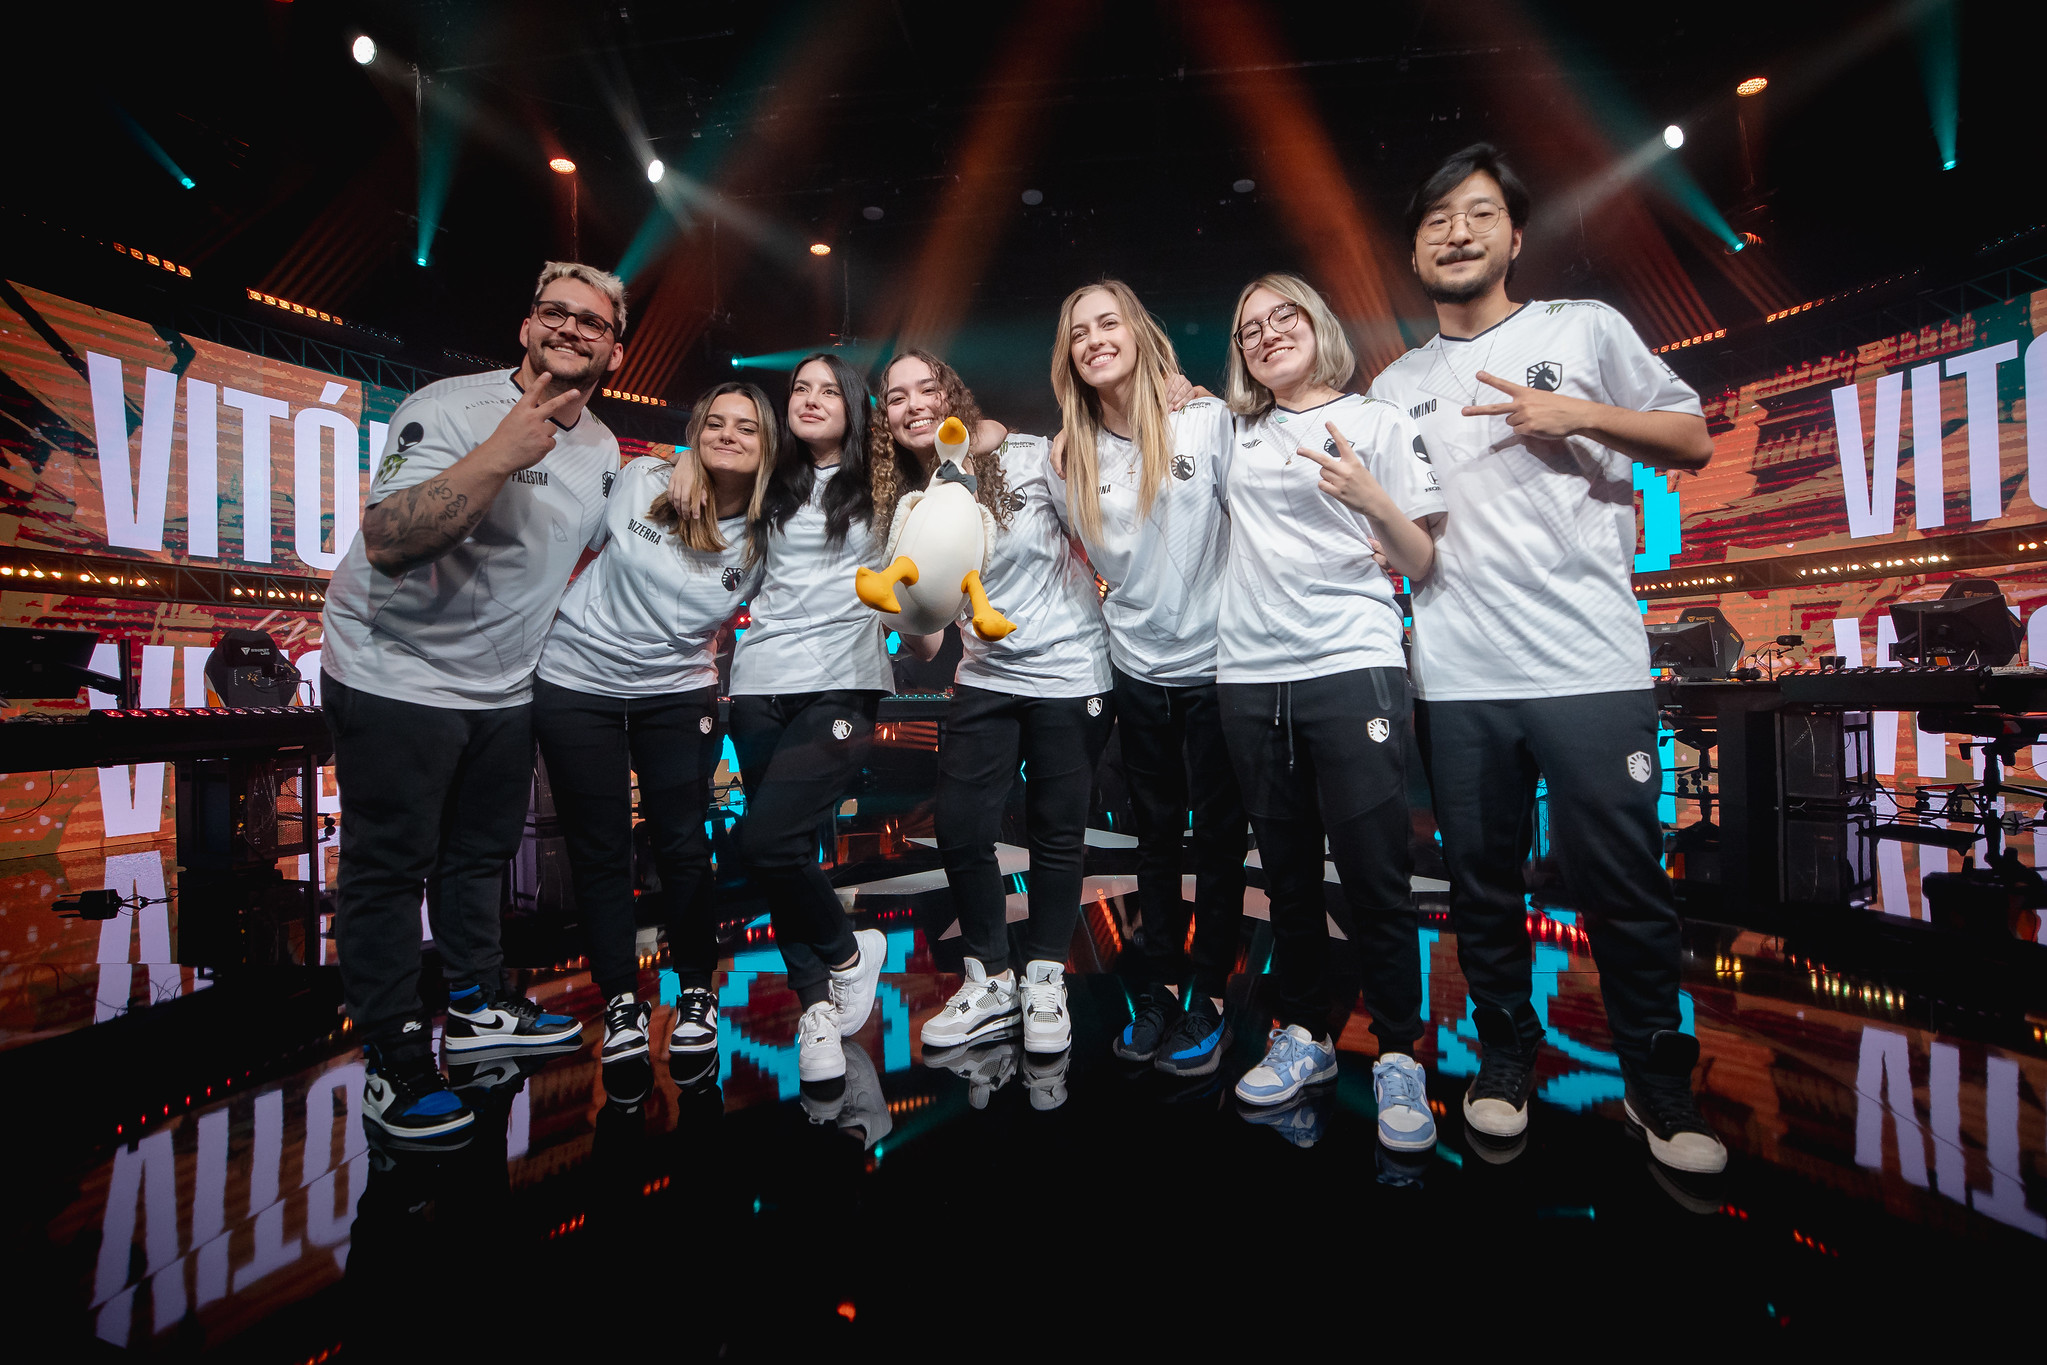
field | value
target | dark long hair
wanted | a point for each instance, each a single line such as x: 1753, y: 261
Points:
x: 849, y: 496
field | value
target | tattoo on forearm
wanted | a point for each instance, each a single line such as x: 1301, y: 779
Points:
x: 419, y: 524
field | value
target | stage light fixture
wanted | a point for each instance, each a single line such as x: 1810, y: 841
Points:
x: 655, y: 170
x: 1754, y: 85
x: 735, y: 362
x: 1948, y: 165
x: 1034, y: 197
x: 820, y: 249
x: 561, y: 165
x: 363, y: 49
x: 1244, y: 186
x: 1673, y: 137
x: 872, y: 213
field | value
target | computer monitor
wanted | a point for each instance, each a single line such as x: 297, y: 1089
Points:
x: 49, y: 665
x: 1699, y: 644
x: 1969, y: 624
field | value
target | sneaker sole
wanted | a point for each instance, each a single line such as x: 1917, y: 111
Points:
x: 1131, y: 1054
x: 709, y: 1044
x: 988, y: 1028
x: 1319, y: 1078
x: 411, y: 1131
x: 1662, y: 1150
x: 807, y: 1076
x: 573, y: 1038
x: 1403, y: 1142
x: 485, y: 1051
x: 637, y: 1050
x: 1473, y: 1120
x: 1042, y: 1047
x: 1206, y: 1067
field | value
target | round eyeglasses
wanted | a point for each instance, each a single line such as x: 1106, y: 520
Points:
x: 1480, y: 219
x: 1280, y: 319
x: 589, y: 326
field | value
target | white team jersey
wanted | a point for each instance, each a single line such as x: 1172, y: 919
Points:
x: 466, y: 630
x: 1037, y: 580
x: 1531, y: 595
x: 810, y: 633
x: 642, y: 620
x: 1165, y: 572
x: 1303, y: 597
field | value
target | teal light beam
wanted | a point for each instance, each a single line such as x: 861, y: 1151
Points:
x: 153, y: 147
x: 1940, y: 70
x: 440, y: 139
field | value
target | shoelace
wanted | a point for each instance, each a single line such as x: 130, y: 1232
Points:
x: 519, y: 1007
x: 1674, y: 1106
x: 963, y: 999
x: 1284, y: 1052
x: 694, y: 1007
x: 623, y: 1016
x: 1151, y: 1017
x: 1401, y: 1086
x: 1042, y: 997
x: 1503, y: 1076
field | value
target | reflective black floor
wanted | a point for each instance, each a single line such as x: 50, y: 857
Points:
x: 1889, y: 1174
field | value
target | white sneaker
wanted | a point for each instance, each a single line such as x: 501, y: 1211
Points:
x: 625, y: 1028
x: 986, y: 1067
x: 819, y: 1057
x: 696, y: 1022
x: 853, y: 989
x: 979, y: 1009
x: 1045, y: 1078
x: 1047, y: 1026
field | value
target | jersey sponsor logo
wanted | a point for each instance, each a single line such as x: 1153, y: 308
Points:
x: 1638, y: 766
x: 532, y: 476
x: 1378, y: 728
x: 1421, y: 410
x: 1108, y: 488
x: 391, y: 465
x: 1094, y: 706
x: 1013, y: 501
x: 1547, y: 375
x: 1253, y: 442
x: 642, y: 530
x: 610, y: 477
x: 842, y: 729
x: 730, y: 579
x: 1183, y: 467
x: 704, y: 725
x: 1421, y: 452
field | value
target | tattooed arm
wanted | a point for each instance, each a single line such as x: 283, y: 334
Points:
x: 417, y: 525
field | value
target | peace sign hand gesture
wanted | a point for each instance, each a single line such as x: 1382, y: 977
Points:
x: 525, y: 434
x: 1345, y: 478
x: 1538, y: 413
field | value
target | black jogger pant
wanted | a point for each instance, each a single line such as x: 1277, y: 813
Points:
x: 1327, y: 756
x: 798, y: 755
x: 593, y: 745
x: 1057, y: 740
x: 1598, y: 755
x: 1177, y: 763
x: 431, y: 797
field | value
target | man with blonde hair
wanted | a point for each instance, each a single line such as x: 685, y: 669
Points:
x: 482, y: 502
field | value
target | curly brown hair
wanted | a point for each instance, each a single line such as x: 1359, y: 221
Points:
x: 896, y: 472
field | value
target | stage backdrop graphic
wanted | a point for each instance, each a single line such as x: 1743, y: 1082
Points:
x: 134, y: 441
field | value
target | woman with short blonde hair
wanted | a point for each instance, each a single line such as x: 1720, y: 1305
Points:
x: 1334, y: 360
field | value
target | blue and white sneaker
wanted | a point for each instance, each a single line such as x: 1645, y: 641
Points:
x: 1195, y: 1045
x: 404, y: 1095
x: 508, y: 1021
x: 1294, y: 1060
x: 1400, y: 1086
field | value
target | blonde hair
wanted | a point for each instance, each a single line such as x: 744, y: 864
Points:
x: 702, y: 533
x: 1080, y: 407
x: 895, y: 471
x: 1335, y: 362
x: 603, y: 281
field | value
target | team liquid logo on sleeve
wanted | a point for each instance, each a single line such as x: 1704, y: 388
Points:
x: 1183, y: 467
x: 1421, y: 452
x: 842, y: 729
x: 1378, y: 728
x: 704, y: 725
x: 609, y: 476
x: 731, y: 580
x: 1638, y: 766
x: 1094, y: 706
x: 1546, y: 375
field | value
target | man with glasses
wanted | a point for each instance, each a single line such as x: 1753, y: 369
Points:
x: 1529, y: 651
x: 489, y: 489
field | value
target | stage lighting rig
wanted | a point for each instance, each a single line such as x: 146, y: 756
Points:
x: 1673, y: 137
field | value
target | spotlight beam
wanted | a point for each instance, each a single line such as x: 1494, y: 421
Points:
x: 1940, y: 70
x: 154, y: 148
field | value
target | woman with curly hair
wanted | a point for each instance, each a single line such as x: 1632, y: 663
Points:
x: 1038, y: 697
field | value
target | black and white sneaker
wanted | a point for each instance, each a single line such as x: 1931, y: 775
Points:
x: 625, y: 1028
x: 1496, y: 1101
x: 404, y: 1094
x: 1157, y: 1013
x: 1661, y: 1105
x: 475, y: 1022
x: 696, y: 1022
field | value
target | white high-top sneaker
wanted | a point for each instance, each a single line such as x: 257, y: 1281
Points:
x: 853, y: 989
x: 819, y: 1056
x: 1047, y: 1025
x: 980, y: 1008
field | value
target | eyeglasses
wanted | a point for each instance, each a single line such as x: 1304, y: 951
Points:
x: 1481, y: 218
x: 588, y: 325
x: 1280, y: 319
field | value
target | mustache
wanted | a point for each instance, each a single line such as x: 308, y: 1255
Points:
x: 1468, y: 254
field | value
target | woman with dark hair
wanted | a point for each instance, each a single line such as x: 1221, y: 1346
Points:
x: 628, y: 683
x: 1142, y: 488
x: 1037, y: 697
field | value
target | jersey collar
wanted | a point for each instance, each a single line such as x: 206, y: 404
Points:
x: 1518, y: 309
x: 513, y: 375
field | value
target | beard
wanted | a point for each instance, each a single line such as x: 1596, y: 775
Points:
x: 584, y: 371
x: 1476, y: 288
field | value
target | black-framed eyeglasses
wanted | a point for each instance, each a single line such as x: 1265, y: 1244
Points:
x: 1280, y: 319
x: 1480, y: 219
x: 588, y: 325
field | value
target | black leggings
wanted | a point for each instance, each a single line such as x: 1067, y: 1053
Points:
x: 593, y: 745
x: 798, y: 755
x: 1057, y: 741
x: 1328, y: 756
x: 1177, y: 763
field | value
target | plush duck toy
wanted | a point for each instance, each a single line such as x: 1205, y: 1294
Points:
x: 938, y: 544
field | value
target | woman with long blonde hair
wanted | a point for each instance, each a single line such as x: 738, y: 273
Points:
x: 1142, y: 489
x: 628, y: 683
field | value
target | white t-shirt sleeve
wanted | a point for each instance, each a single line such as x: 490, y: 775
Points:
x: 1399, y: 460
x: 1634, y: 376
x: 423, y: 441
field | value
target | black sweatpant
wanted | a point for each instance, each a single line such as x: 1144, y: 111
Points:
x: 1177, y: 761
x: 593, y: 745
x: 1057, y: 740
x: 1328, y: 756
x: 798, y: 755
x: 432, y: 797
x: 1598, y: 754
